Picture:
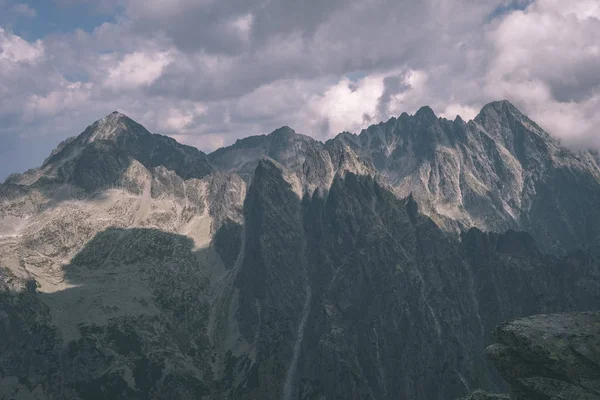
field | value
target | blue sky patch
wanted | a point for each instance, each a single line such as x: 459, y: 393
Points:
x: 36, y: 19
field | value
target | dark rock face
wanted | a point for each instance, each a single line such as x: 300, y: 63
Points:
x: 550, y: 356
x: 500, y: 171
x: 481, y: 395
x: 227, y: 242
x: 133, y: 267
x: 154, y: 354
x: 100, y: 165
x: 392, y: 294
x: 274, y: 252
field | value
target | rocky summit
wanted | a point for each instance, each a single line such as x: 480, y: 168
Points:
x: 371, y: 266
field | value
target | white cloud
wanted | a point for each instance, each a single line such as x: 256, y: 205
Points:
x: 454, y: 109
x: 161, y: 9
x: 582, y: 9
x: 179, y: 119
x: 546, y: 58
x: 137, y: 69
x: 275, y: 99
x: 69, y: 96
x: 348, y: 105
x: 243, y: 25
x: 17, y: 50
x: 24, y: 9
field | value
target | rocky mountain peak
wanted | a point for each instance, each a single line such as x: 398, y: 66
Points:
x: 111, y: 127
x: 100, y: 155
x: 284, y: 131
x: 135, y: 267
x: 284, y: 145
x: 425, y: 113
x: 500, y: 107
x: 516, y: 132
x: 503, y: 115
x: 498, y: 112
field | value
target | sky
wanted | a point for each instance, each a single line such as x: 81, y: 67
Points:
x: 208, y: 72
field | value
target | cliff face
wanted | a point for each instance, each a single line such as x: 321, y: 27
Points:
x: 283, y: 268
x: 553, y: 356
x: 369, y: 286
x: 550, y: 356
x: 500, y: 171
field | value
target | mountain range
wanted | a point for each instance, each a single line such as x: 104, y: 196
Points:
x: 371, y: 266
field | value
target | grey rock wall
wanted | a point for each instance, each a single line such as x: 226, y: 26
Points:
x: 373, y: 266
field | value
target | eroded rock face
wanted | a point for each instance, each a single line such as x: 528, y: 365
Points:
x: 128, y: 327
x: 481, y: 395
x: 499, y: 171
x: 285, y: 268
x: 310, y: 164
x: 550, y: 356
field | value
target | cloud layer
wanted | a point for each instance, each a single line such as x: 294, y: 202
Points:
x: 208, y: 72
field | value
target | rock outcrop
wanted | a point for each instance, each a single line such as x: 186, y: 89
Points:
x: 550, y: 356
x: 481, y: 395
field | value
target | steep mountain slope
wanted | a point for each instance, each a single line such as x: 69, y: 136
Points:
x: 313, y: 163
x: 101, y: 235
x: 101, y: 155
x: 388, y: 291
x: 283, y: 145
x: 497, y: 172
x: 133, y: 267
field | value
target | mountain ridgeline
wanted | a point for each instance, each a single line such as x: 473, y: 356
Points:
x: 371, y: 266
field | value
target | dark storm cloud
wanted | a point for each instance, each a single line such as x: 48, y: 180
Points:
x: 289, y: 39
x: 211, y: 25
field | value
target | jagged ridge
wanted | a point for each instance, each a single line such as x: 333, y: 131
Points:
x: 285, y: 267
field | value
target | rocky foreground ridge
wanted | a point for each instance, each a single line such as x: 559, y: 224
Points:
x: 372, y: 266
x: 548, y: 357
